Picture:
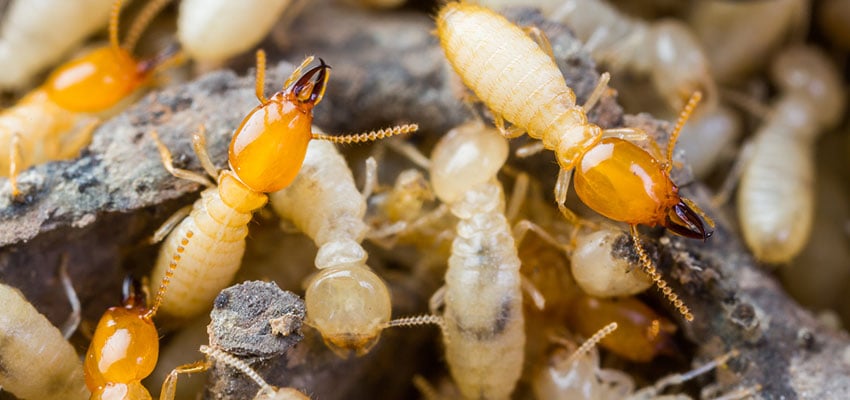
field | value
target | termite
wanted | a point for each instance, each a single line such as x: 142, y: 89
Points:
x: 125, y: 347
x: 666, y: 49
x: 212, y: 31
x: 37, y: 361
x: 57, y: 119
x: 213, y: 354
x: 346, y: 302
x: 521, y: 84
x: 483, y: 318
x: 265, y: 155
x: 578, y: 375
x: 30, y: 38
x: 776, y: 193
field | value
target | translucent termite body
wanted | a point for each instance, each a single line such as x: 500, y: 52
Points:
x: 265, y: 155
x: 483, y: 333
x: 521, y: 84
x: 266, y: 392
x: 30, y: 40
x: 578, y: 376
x: 776, y: 193
x: 604, y: 264
x: 346, y: 302
x: 666, y: 50
x: 238, y: 26
x: 38, y: 362
x: 56, y: 120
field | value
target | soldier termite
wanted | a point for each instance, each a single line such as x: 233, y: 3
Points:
x: 212, y: 31
x: 266, y: 392
x: 265, y: 155
x: 37, y: 33
x: 346, y: 302
x: 612, y: 176
x: 776, y: 193
x: 578, y: 376
x: 38, y: 362
x: 56, y: 120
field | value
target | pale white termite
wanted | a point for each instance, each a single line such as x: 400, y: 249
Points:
x: 604, y: 264
x: 776, y: 193
x: 37, y: 33
x: 578, y: 376
x: 37, y: 361
x: 726, y: 28
x: 265, y: 155
x: 346, y: 302
x: 521, y: 84
x: 484, y: 327
x: 215, y: 30
x: 666, y: 50
x: 266, y: 392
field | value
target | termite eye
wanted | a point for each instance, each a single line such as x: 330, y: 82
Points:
x: 310, y: 88
x: 683, y: 221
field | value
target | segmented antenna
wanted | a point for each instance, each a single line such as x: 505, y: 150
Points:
x: 590, y: 343
x: 683, y: 117
x: 113, y: 25
x: 650, y: 270
x: 369, y: 136
x: 228, y: 359
x: 169, y: 273
x: 142, y: 20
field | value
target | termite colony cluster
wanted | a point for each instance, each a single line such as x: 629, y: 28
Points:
x: 507, y: 231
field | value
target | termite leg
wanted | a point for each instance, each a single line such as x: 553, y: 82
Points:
x: 167, y: 162
x: 597, y: 93
x: 73, y: 321
x: 562, y: 186
x: 540, y: 38
x: 731, y: 181
x: 370, y: 178
x: 634, y: 135
x: 677, y: 379
x: 15, y: 162
x: 199, y: 144
x: 520, y: 190
x: 169, y: 386
x: 169, y: 224
x: 437, y: 300
x: 522, y: 227
x: 530, y: 149
x: 410, y: 152
x: 532, y: 292
x: 73, y: 143
x: 425, y: 388
x: 508, y: 132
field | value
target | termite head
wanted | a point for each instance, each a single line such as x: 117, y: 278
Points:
x: 349, y: 306
x: 683, y: 220
x: 469, y: 155
x: 309, y: 90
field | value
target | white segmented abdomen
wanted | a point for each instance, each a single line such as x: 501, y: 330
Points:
x: 208, y: 247
x: 775, y: 198
x: 485, y: 337
x: 42, y: 126
x: 37, y: 362
x: 214, y: 30
x: 505, y: 68
x: 38, y: 33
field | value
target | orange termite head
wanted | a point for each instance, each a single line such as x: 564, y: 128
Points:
x: 310, y: 88
x: 683, y: 220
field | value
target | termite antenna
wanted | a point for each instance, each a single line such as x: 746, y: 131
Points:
x: 419, y: 320
x: 650, y: 270
x: 590, y: 343
x: 261, y: 77
x: 169, y: 273
x: 228, y: 359
x: 113, y: 25
x: 683, y: 118
x: 369, y: 136
x: 142, y: 21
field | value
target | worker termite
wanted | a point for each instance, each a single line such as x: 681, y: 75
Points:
x: 578, y: 376
x: 775, y: 197
x: 125, y: 347
x: 643, y: 333
x: 38, y: 362
x: 613, y: 176
x: 30, y: 39
x: 483, y: 320
x: 265, y: 155
x: 56, y: 120
x: 266, y: 392
x: 346, y: 302
x: 239, y: 26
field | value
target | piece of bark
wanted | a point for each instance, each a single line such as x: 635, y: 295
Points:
x: 388, y: 69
